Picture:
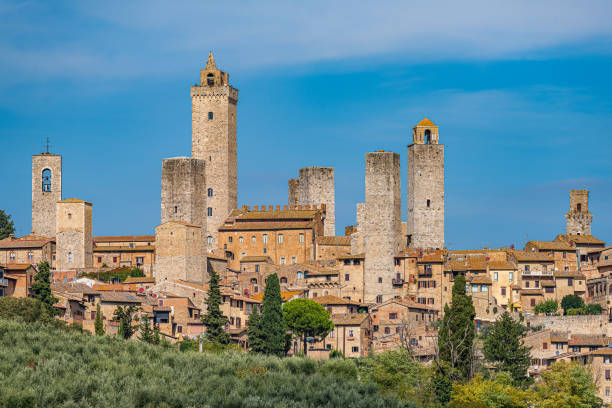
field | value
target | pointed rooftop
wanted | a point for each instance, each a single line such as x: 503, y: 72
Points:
x: 426, y: 123
x: 210, y: 63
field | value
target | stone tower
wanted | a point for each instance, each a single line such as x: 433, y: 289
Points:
x: 179, y: 253
x: 74, y: 244
x: 315, y: 186
x: 382, y: 226
x: 213, y: 111
x: 425, y: 220
x: 578, y: 217
x: 183, y: 196
x: 46, y: 192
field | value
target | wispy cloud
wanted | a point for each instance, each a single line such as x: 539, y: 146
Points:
x: 125, y: 39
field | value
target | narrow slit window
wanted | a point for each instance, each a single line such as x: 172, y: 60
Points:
x: 210, y: 116
x: 428, y: 203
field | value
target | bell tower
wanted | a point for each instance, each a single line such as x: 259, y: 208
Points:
x: 46, y: 192
x: 579, y: 217
x: 213, y: 117
x: 425, y: 220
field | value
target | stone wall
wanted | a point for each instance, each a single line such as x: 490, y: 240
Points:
x: 44, y: 202
x: 595, y: 324
x: 316, y: 186
x: 382, y: 226
x: 74, y: 243
x: 579, y: 218
x: 183, y: 192
x: 179, y: 253
x: 357, y: 237
x: 214, y: 141
x: 425, y: 218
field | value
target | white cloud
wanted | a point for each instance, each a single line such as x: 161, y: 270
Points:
x: 156, y: 37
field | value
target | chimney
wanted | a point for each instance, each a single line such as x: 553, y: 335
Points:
x: 284, y: 208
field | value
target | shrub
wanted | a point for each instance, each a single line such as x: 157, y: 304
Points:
x: 547, y: 307
x: 118, y: 273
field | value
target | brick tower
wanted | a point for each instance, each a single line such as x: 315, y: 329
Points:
x: 578, y: 217
x: 46, y: 192
x: 213, y: 120
x: 425, y: 220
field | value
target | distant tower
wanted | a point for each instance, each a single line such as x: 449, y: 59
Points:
x: 183, y: 196
x: 46, y: 192
x: 74, y: 244
x: 425, y: 220
x: 316, y: 186
x: 578, y: 217
x: 382, y: 224
x: 214, y: 141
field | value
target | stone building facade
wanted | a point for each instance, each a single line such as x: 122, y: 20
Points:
x: 382, y: 226
x: 315, y: 186
x: 183, y: 193
x: 74, y: 239
x: 46, y: 192
x: 214, y: 141
x: 425, y: 220
x: 179, y: 253
x: 579, y: 217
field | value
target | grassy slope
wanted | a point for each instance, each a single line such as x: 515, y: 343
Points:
x: 47, y: 367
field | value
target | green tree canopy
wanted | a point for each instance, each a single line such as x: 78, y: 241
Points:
x: 504, y: 346
x: 273, y: 327
x: 568, y: 385
x: 99, y: 323
x: 254, y: 333
x: 214, y: 319
x: 571, y: 302
x: 145, y: 331
x: 592, y: 309
x: 547, y: 307
x: 495, y: 393
x: 42, y: 286
x: 307, y: 318
x: 125, y: 315
x: 7, y: 226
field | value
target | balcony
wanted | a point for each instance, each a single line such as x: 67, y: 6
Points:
x: 397, y: 282
x: 537, y: 273
x: 3, y: 282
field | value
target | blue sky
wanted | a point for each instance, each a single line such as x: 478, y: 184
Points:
x: 521, y: 91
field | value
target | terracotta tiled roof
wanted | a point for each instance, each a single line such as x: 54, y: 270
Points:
x: 481, y: 280
x: 431, y: 258
x: 426, y: 123
x: 74, y: 200
x: 334, y: 241
x: 569, y: 274
x: 588, y: 340
x: 193, y: 285
x: 28, y: 241
x: 125, y: 238
x: 285, y: 296
x: 271, y: 225
x: 604, y: 351
x: 550, y: 246
x: 527, y: 256
x: 349, y: 319
x: 559, y: 337
x: 144, y: 279
x: 579, y: 239
x: 502, y: 265
x: 334, y: 300
x: 73, y: 287
x: 119, y: 297
x: 140, y: 248
x: 116, y: 287
x: 16, y: 267
x: 256, y: 258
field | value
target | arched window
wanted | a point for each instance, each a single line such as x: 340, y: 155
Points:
x: 46, y: 180
x: 210, y: 80
x: 427, y: 136
x: 283, y: 280
x: 578, y: 207
x: 210, y: 192
x: 210, y: 116
x: 209, y: 239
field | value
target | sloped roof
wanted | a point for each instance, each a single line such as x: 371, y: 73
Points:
x: 532, y: 256
x: 550, y: 246
x: 17, y: 267
x: 349, y: 319
x: 579, y: 239
x: 334, y: 300
x: 334, y: 241
x: 241, y: 214
x: 481, y: 280
x: 27, y: 241
x: 125, y: 238
x: 588, y: 340
x: 426, y: 123
x: 143, y: 279
x: 119, y: 297
x: 73, y: 287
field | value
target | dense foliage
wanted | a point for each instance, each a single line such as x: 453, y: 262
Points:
x: 125, y: 316
x: 7, y: 227
x: 272, y: 323
x: 547, y: 307
x: 42, y: 285
x: 571, y: 302
x: 567, y: 385
x: 46, y: 367
x: 504, y: 347
x: 497, y: 392
x: 254, y: 333
x: 214, y: 319
x: 99, y: 323
x: 119, y: 274
x: 307, y: 319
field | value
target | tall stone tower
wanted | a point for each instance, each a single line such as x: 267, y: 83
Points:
x: 74, y: 243
x: 316, y: 186
x: 382, y: 229
x: 179, y: 253
x: 46, y: 192
x: 213, y: 119
x: 425, y: 220
x: 183, y: 196
x: 579, y: 217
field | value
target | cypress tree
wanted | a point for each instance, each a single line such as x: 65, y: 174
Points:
x: 146, y: 334
x: 256, y: 342
x: 99, y: 324
x: 214, y: 319
x: 504, y: 346
x: 272, y: 324
x: 457, y: 333
x: 42, y: 286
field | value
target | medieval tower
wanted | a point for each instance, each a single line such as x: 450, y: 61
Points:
x: 382, y: 224
x: 425, y: 220
x: 578, y: 217
x: 74, y: 234
x: 46, y: 192
x: 315, y: 186
x: 214, y: 141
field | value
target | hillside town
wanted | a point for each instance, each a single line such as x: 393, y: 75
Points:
x: 384, y: 281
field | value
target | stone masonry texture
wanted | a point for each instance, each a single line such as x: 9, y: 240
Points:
x: 183, y: 196
x: 44, y: 202
x: 382, y: 226
x: 214, y: 141
x: 179, y: 253
x: 579, y: 217
x: 425, y: 205
x: 74, y: 242
x: 316, y: 186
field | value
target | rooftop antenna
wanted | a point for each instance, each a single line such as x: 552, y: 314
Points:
x: 47, y: 144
